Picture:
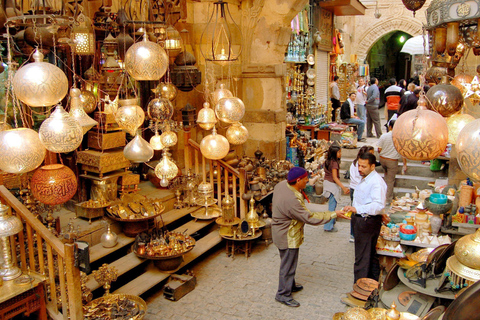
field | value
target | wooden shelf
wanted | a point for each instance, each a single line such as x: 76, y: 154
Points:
x: 391, y: 254
x: 465, y: 225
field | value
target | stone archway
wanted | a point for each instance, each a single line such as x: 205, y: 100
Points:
x: 377, y: 31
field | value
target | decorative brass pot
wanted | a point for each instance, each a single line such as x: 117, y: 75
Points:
x: 467, y: 250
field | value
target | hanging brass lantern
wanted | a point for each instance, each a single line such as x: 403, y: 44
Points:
x: 206, y: 117
x: 413, y: 5
x: 237, y: 134
x: 129, y: 116
x: 221, y: 93
x: 444, y: 98
x: 83, y: 36
x: 214, y: 146
x: 60, y: 132
x: 230, y: 110
x: 166, y: 90
x: 88, y: 100
x: 78, y: 113
x: 468, y: 149
x: 156, y: 142
x: 53, y: 184
x: 166, y: 169
x: 169, y: 138
x: 40, y: 84
x: 138, y: 150
x: 146, y: 61
x: 22, y: 150
x: 420, y: 134
x: 173, y: 42
x: 160, y: 109
x: 455, y: 124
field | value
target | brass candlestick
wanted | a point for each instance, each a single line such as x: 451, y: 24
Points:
x: 105, y: 275
x: 9, y: 226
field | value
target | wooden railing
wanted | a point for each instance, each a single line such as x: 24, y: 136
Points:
x: 42, y: 252
x: 193, y: 159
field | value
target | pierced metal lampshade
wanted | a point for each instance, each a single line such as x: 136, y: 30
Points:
x: 60, y: 132
x: 173, y: 42
x: 156, y: 142
x: 129, y: 116
x: 169, y: 138
x: 221, y: 93
x: 166, y: 90
x: 40, y: 84
x: 468, y: 148
x: 206, y: 117
x: 413, y: 5
x: 455, y: 124
x: 89, y: 101
x: 230, y: 110
x: 83, y: 36
x: 214, y: 146
x: 22, y: 150
x: 78, y: 113
x: 146, y: 60
x: 53, y: 184
x: 166, y: 169
x: 9, y: 225
x: 160, y: 109
x: 237, y: 134
x: 138, y: 150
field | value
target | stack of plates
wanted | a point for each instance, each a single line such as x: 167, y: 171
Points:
x: 361, y: 291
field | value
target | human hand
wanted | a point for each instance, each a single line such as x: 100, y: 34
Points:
x: 385, y: 218
x: 404, y: 169
x: 349, y: 209
x: 346, y: 190
x: 343, y: 215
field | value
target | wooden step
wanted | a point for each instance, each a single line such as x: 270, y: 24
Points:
x: 193, y: 226
x: 175, y: 214
x: 98, y: 251
x: 153, y: 276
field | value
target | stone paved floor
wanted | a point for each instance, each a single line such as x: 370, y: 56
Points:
x: 243, y: 288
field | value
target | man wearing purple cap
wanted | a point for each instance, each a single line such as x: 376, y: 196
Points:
x: 289, y: 217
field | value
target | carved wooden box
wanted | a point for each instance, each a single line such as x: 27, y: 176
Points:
x: 102, y: 162
x: 105, y: 141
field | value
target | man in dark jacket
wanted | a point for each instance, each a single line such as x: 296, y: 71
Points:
x: 410, y: 101
x: 348, y: 116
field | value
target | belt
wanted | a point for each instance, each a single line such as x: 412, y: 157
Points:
x: 388, y: 158
x: 367, y: 216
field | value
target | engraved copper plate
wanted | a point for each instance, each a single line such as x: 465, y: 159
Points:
x: 367, y: 284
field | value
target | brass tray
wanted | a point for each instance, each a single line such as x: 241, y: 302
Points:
x: 145, y: 256
x: 137, y: 219
x: 95, y: 305
x: 207, y: 214
x: 367, y: 284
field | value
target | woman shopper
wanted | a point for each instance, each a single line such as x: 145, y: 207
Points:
x: 332, y: 185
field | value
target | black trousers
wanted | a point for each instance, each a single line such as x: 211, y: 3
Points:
x: 335, y: 105
x: 286, y: 278
x: 366, y: 231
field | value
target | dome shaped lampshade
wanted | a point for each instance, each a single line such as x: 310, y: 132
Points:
x: 468, y: 149
x: 166, y: 168
x: 53, y: 184
x: 237, y: 134
x: 455, y: 124
x: 166, y: 90
x: 230, y: 110
x: 60, y: 132
x: 214, y: 146
x: 78, y: 113
x: 138, y: 150
x: 169, y: 138
x: 22, y: 150
x: 420, y: 134
x: 160, y: 109
x: 206, y: 117
x: 129, y: 116
x: 221, y: 93
x: 146, y: 61
x: 89, y: 102
x: 40, y: 84
x: 156, y: 142
x: 445, y: 99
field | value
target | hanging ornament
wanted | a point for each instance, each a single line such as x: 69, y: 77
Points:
x: 214, y: 146
x: 166, y: 90
x: 206, y: 117
x: 88, y: 100
x: 138, y: 150
x: 60, y: 132
x: 237, y: 134
x: 78, y: 113
x: 156, y: 142
x: 22, y: 150
x: 160, y: 109
x: 168, y: 138
x: 460, y: 80
x: 40, y: 84
x: 129, y: 116
x: 455, y: 124
x: 53, y: 184
x: 472, y: 89
x: 413, y: 5
x: 468, y: 149
x: 444, y: 98
x: 221, y: 93
x: 420, y: 134
x: 230, y: 110
x: 146, y: 61
x: 166, y: 169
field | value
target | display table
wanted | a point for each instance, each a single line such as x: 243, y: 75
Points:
x: 430, y: 287
x: 23, y: 298
x: 243, y: 245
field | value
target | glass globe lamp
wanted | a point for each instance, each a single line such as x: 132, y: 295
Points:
x: 78, y: 113
x: 214, y: 146
x: 166, y: 90
x: 138, y: 150
x: 129, y: 116
x: 156, y: 142
x: 206, y: 117
x: 230, y: 110
x: 22, y: 150
x: 53, y: 184
x: 444, y: 98
x: 455, y: 124
x: 160, y: 109
x: 420, y: 134
x: 468, y: 149
x: 40, y: 84
x: 89, y: 102
x: 237, y: 134
x: 173, y: 42
x: 60, y: 132
x: 221, y: 93
x: 169, y: 138
x: 166, y: 168
x: 146, y: 61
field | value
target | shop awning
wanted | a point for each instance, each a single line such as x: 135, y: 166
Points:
x: 343, y: 7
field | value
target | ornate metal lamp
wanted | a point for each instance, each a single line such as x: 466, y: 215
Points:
x: 9, y: 226
x: 413, y: 5
x: 468, y: 146
x: 146, y: 61
x: 83, y: 36
x: 22, y: 150
x: 206, y: 117
x: 214, y: 146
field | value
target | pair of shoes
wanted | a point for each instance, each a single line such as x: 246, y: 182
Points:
x: 290, y: 303
x: 334, y: 229
x: 352, y: 239
x: 297, y: 287
x: 363, y: 140
x: 322, y: 199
